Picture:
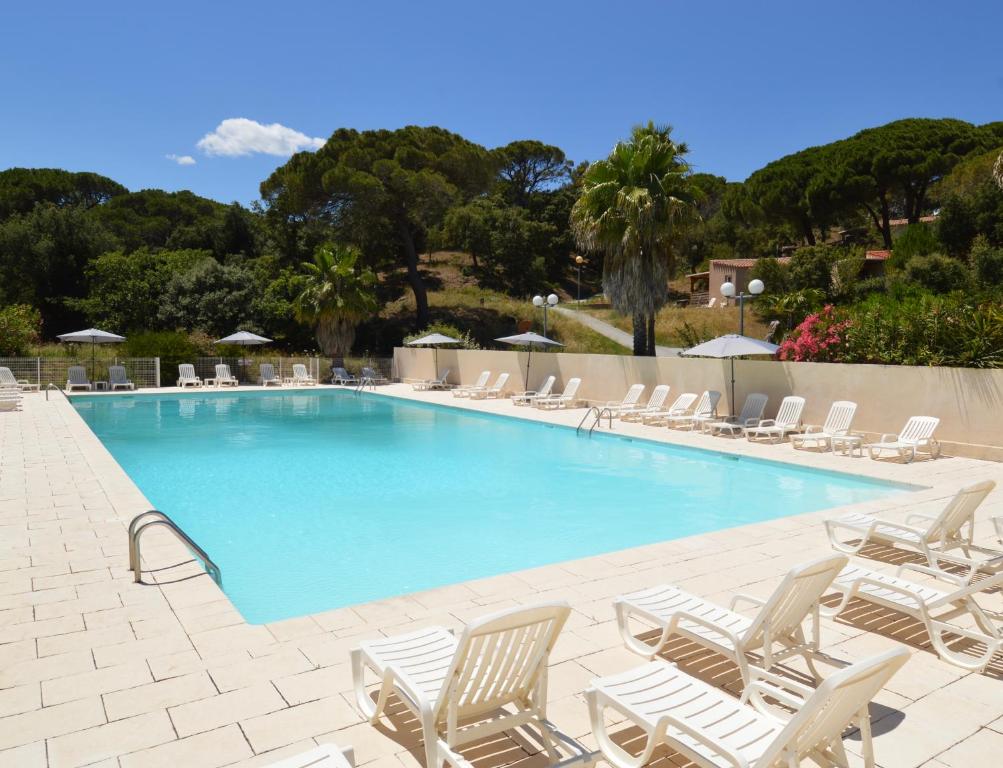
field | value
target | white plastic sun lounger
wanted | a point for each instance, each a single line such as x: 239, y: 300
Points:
x: 76, y: 378
x: 567, y: 399
x: 779, y: 620
x: 7, y: 379
x: 494, y: 391
x: 465, y: 389
x: 458, y: 686
x: 266, y: 375
x: 837, y: 424
x: 527, y: 397
x: 342, y: 376
x: 930, y: 535
x: 713, y: 729
x: 704, y: 411
x: 324, y: 756
x: 424, y: 385
x: 187, y: 377
x: 750, y: 416
x: 117, y: 378
x: 788, y: 420
x: 301, y: 376
x: 223, y: 376
x: 10, y: 398
x: 370, y: 376
x: 916, y: 436
x: 655, y: 403
x: 629, y: 403
x: 934, y: 606
x: 680, y: 406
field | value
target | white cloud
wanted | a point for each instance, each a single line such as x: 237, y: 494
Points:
x: 238, y: 136
x: 181, y: 159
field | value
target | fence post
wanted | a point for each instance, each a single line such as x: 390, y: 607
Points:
x: 38, y: 371
x: 156, y: 370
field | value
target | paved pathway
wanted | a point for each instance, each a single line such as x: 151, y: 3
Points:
x: 623, y: 338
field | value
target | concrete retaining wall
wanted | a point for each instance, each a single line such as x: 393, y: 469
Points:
x: 969, y: 402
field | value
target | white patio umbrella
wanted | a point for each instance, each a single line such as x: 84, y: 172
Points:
x: 94, y: 336
x: 530, y: 340
x: 243, y: 339
x: 433, y: 340
x: 732, y: 345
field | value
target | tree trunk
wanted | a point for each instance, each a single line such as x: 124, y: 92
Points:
x: 807, y: 231
x: 640, y: 334
x: 414, y: 276
x: 886, y: 226
x: 651, y: 334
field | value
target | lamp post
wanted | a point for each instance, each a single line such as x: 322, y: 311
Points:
x: 578, y: 262
x: 756, y: 287
x: 546, y: 303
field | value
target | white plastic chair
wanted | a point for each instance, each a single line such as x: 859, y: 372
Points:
x: 10, y: 398
x: 779, y: 620
x: 187, y: 377
x: 7, y: 379
x: 567, y: 399
x: 629, y: 402
x: 788, y: 420
x: 916, y: 435
x: 704, y: 411
x: 266, y: 375
x: 76, y: 378
x: 302, y: 376
x: 458, y: 686
x: 428, y: 384
x: 680, y: 406
x: 480, y: 383
x: 655, y: 403
x: 750, y: 416
x: 223, y: 376
x: 117, y: 378
x: 713, y: 729
x: 494, y: 391
x: 837, y: 424
x: 527, y: 397
x: 341, y: 375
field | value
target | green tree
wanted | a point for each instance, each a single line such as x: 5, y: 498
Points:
x: 938, y: 273
x: 632, y: 208
x: 780, y: 192
x: 337, y: 296
x: 529, y: 166
x: 383, y: 190
x: 20, y: 328
x: 211, y: 297
x: 21, y: 189
x: 987, y: 263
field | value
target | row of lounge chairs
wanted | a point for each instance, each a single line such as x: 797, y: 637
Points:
x: 367, y: 376
x: 224, y: 378
x: 76, y: 379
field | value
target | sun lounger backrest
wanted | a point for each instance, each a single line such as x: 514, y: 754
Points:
x: 186, y: 371
x: 571, y: 389
x: 501, y: 381
x: 658, y: 395
x: 918, y: 428
x: 500, y: 659
x: 840, y: 417
x: 684, y: 402
x: 707, y: 403
x: 116, y: 374
x: 633, y: 394
x: 834, y: 704
x: 443, y: 376
x: 790, y: 411
x: 299, y: 371
x: 547, y: 387
x: 77, y: 375
x: 341, y: 373
x: 753, y: 407
x: 223, y: 371
x: 794, y: 598
x: 482, y: 380
x: 267, y: 371
x: 959, y: 511
x: 7, y: 378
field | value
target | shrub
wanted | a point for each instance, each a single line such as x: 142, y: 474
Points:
x: 938, y: 273
x: 465, y: 340
x: 987, y: 263
x: 20, y: 328
x: 916, y: 240
x: 817, y: 339
x: 172, y: 347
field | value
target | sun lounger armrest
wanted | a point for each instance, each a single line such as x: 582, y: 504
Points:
x: 745, y: 598
x: 897, y: 527
x: 811, y: 428
x: 697, y: 733
x: 919, y: 516
x: 765, y: 683
x: 675, y: 618
x: 767, y: 423
x: 998, y: 525
x: 888, y: 437
x: 937, y: 573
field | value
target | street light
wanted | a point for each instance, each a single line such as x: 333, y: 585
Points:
x: 578, y: 262
x: 756, y: 287
x: 550, y: 301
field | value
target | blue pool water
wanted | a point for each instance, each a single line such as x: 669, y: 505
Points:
x: 313, y: 501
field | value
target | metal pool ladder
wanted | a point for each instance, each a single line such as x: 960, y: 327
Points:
x: 154, y: 517
x: 598, y: 413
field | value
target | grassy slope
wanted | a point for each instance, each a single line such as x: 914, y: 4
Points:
x: 708, y: 323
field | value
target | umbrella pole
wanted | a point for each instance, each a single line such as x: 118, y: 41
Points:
x: 529, y: 359
x: 93, y: 364
x: 435, y: 363
x: 732, y: 386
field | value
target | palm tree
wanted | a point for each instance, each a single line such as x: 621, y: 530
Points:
x: 337, y: 296
x: 632, y: 207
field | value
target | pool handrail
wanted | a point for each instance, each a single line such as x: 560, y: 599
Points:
x: 136, y: 529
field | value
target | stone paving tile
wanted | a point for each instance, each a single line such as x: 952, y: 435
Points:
x: 295, y: 723
x: 159, y: 695
x: 17, y: 730
x: 110, y: 740
x: 95, y: 683
x: 222, y: 746
x: 210, y: 713
x: 28, y: 756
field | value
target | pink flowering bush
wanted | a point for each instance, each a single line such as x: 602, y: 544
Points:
x: 817, y: 339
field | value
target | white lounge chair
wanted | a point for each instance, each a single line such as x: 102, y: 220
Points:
x: 655, y: 403
x: 750, y: 416
x: 266, y: 375
x: 629, y: 402
x: 494, y: 391
x: 223, y: 376
x: 778, y: 621
x: 372, y: 376
x: 301, y: 376
x: 117, y: 378
x: 76, y: 378
x: 930, y: 535
x: 7, y: 379
x: 788, y: 420
x: 703, y: 412
x: 423, y: 385
x: 187, y: 377
x: 465, y: 389
x: 713, y: 729
x: 324, y: 756
x: 680, y: 406
x: 527, y: 397
x: 10, y: 398
x: 837, y: 424
x: 934, y: 606
x: 917, y: 435
x: 340, y: 375
x: 567, y: 399
x: 458, y: 687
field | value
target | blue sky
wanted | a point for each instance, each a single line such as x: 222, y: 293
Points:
x: 116, y: 87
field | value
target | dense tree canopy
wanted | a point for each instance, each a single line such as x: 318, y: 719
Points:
x: 21, y: 189
x: 529, y: 166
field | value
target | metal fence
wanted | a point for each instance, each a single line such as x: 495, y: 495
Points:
x: 141, y: 371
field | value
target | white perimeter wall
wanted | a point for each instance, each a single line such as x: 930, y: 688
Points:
x: 969, y: 402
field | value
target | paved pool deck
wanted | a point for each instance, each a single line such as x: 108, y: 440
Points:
x: 96, y: 670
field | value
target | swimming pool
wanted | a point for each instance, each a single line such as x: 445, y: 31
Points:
x: 312, y: 501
